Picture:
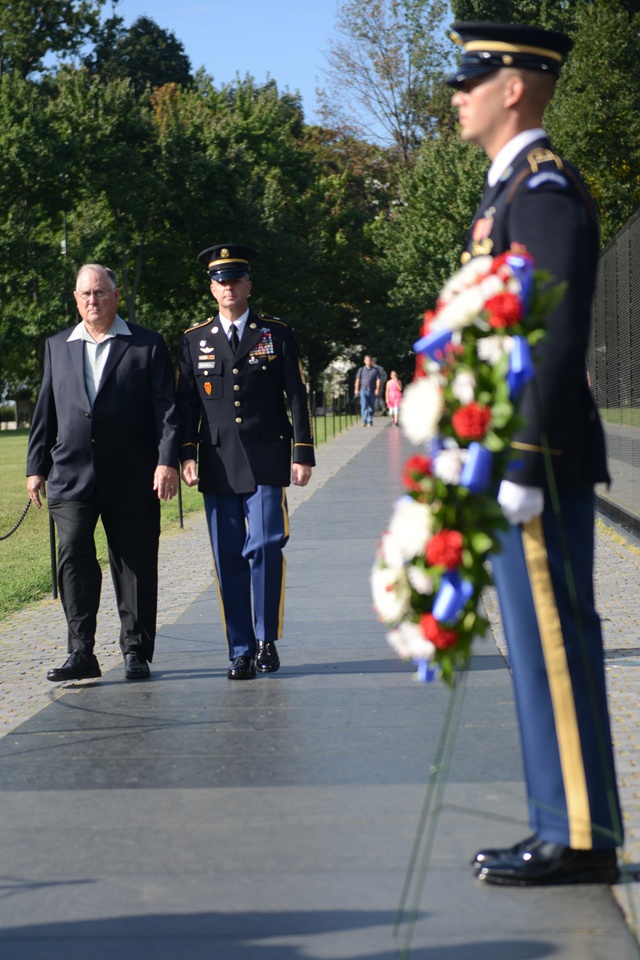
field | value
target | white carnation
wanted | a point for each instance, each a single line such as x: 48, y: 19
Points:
x: 492, y: 349
x: 421, y: 409
x: 390, y: 592
x: 467, y: 276
x: 420, y: 581
x: 463, y: 386
x: 410, y: 643
x: 410, y: 527
x: 448, y: 464
x: 391, y: 551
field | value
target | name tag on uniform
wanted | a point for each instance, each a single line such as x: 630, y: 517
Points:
x: 207, y: 365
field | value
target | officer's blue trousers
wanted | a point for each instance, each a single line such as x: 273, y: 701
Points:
x: 556, y: 655
x: 248, y: 533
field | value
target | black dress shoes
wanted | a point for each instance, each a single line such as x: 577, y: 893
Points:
x: 242, y: 668
x: 267, y: 659
x: 544, y: 863
x: 78, y: 666
x: 135, y: 666
x: 482, y: 856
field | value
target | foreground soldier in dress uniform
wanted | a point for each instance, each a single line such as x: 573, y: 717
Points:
x: 534, y: 198
x: 234, y: 371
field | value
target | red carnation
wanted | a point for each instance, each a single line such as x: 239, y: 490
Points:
x: 471, y: 421
x: 444, y: 549
x: 505, y: 310
x: 416, y: 468
x: 439, y: 637
x: 429, y: 315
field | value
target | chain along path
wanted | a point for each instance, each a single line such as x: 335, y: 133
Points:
x: 273, y: 820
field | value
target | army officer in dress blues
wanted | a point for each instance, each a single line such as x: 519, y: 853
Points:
x: 234, y: 371
x: 536, y: 199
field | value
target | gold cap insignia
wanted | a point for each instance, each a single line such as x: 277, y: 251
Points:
x: 224, y: 253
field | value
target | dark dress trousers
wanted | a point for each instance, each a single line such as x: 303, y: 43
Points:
x: 552, y: 628
x: 234, y: 422
x: 101, y: 463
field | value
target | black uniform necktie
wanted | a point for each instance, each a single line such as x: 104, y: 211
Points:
x: 233, y: 338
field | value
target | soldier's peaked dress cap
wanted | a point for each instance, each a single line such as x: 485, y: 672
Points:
x: 492, y: 46
x: 227, y: 260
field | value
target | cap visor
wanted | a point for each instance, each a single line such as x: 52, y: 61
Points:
x: 469, y: 72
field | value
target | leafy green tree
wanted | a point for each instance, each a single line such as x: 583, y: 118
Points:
x: 144, y: 52
x: 33, y: 283
x: 593, y: 118
x: 422, y: 234
x: 30, y: 30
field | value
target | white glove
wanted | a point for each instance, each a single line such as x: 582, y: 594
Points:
x: 520, y: 504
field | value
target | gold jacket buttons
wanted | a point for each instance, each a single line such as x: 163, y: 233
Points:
x: 238, y: 419
x: 237, y: 403
x: 236, y: 386
x: 236, y: 371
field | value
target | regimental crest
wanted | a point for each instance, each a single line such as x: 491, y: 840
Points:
x: 207, y: 388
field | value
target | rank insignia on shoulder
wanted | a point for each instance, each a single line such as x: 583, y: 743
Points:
x: 547, y: 176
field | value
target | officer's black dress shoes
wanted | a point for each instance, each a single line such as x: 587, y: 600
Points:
x: 501, y: 853
x: 242, y: 668
x: 135, y: 666
x: 267, y: 659
x: 542, y: 862
x: 78, y: 666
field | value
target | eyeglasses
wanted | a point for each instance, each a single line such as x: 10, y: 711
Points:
x: 86, y: 295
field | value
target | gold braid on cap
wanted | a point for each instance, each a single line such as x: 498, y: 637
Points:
x: 501, y: 47
x: 227, y: 261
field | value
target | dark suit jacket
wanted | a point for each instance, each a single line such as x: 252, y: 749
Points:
x: 542, y: 203
x: 233, y: 417
x: 114, y: 449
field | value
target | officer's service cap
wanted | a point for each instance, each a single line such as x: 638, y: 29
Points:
x: 227, y: 260
x: 492, y: 46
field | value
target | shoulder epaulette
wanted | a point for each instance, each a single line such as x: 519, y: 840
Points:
x: 197, y: 325
x: 543, y: 155
x: 267, y: 316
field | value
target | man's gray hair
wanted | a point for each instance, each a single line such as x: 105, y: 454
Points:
x: 98, y: 266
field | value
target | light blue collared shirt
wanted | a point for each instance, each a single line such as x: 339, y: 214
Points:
x: 95, y: 354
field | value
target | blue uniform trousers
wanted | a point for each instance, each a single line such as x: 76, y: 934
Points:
x: 248, y: 533
x: 555, y: 650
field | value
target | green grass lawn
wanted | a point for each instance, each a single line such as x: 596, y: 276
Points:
x: 25, y: 564
x: 625, y: 416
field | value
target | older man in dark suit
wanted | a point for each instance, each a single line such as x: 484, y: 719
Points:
x: 544, y: 573
x: 104, y: 441
x: 235, y: 370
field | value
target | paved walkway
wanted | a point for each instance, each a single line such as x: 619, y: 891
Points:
x: 190, y: 817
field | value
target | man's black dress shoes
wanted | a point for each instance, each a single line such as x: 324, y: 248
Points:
x: 267, y: 659
x: 501, y: 853
x: 542, y: 862
x: 78, y: 666
x: 242, y: 668
x: 135, y: 666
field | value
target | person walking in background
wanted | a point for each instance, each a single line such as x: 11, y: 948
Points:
x: 393, y: 397
x: 535, y: 199
x: 234, y: 371
x: 104, y: 440
x: 380, y: 399
x: 367, y: 387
